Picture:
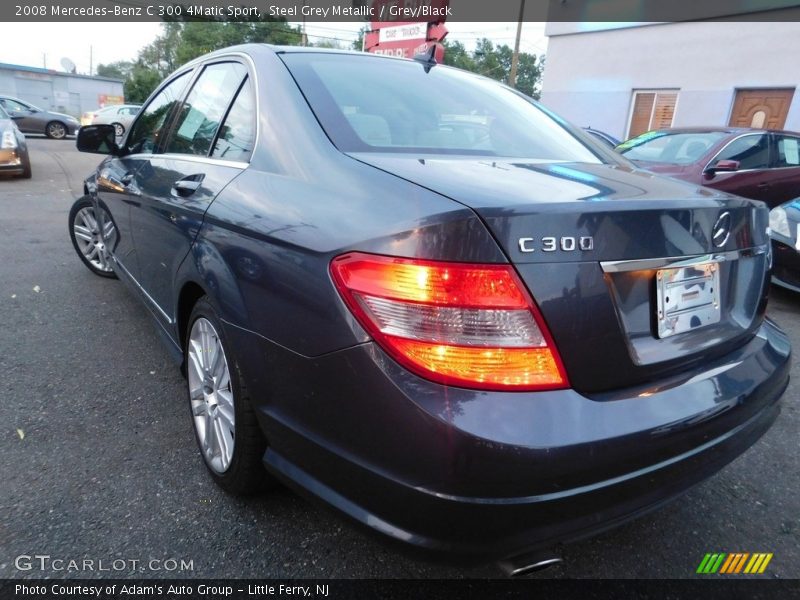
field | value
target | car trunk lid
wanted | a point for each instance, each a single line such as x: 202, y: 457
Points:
x: 637, y: 276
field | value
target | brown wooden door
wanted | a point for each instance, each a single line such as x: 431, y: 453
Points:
x: 765, y: 109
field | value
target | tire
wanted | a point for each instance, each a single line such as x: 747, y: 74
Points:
x: 220, y: 407
x: 86, y: 239
x: 119, y: 129
x: 56, y: 130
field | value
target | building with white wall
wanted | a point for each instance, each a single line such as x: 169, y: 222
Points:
x: 627, y: 78
x: 55, y: 90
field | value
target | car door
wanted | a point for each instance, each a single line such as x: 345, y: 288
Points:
x: 785, y: 175
x: 178, y: 185
x: 752, y: 179
x: 117, y: 186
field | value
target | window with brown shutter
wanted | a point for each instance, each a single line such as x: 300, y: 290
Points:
x: 652, y: 110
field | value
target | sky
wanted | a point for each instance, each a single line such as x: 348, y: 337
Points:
x: 45, y: 44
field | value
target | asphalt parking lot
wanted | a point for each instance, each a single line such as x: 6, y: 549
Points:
x: 99, y: 459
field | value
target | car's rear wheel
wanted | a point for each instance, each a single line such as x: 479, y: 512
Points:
x: 85, y: 226
x: 56, y: 130
x: 119, y: 129
x: 225, y: 425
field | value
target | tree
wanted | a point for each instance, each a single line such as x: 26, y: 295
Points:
x: 181, y: 41
x: 456, y: 55
x: 116, y: 70
x: 141, y: 83
x: 358, y: 43
x: 495, y: 62
x: 197, y: 38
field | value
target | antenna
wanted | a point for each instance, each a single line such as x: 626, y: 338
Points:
x: 427, y: 58
x: 68, y: 65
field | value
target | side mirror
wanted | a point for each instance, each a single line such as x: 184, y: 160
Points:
x: 98, y: 139
x: 723, y: 166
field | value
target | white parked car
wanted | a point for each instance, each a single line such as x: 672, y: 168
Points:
x: 119, y: 115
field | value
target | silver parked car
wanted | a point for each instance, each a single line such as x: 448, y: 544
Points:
x: 120, y: 116
x: 32, y: 119
x: 14, y: 158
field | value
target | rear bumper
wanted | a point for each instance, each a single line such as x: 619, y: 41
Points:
x: 489, y: 475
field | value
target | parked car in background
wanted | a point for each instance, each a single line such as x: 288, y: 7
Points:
x: 784, y: 225
x: 32, y: 119
x: 755, y: 163
x: 120, y: 116
x: 608, y: 140
x: 474, y: 336
x: 14, y: 157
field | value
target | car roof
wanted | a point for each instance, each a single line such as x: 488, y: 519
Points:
x: 254, y: 48
x: 728, y: 130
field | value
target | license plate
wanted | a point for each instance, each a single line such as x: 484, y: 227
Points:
x: 687, y: 298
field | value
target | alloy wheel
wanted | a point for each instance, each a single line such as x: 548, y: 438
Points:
x: 56, y: 130
x: 94, y: 236
x: 211, y: 395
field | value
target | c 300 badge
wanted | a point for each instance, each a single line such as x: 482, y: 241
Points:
x: 552, y: 244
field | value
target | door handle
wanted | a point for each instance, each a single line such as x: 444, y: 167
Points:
x: 763, y: 185
x: 188, y: 185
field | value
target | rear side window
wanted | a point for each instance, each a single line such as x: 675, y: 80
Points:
x: 148, y: 131
x: 369, y: 104
x: 238, y: 133
x: 204, y: 108
x: 752, y: 152
x: 788, y: 151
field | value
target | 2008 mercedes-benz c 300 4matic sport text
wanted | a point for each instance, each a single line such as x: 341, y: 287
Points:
x: 418, y: 296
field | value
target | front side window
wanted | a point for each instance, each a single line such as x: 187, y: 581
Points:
x: 238, y: 133
x: 788, y: 151
x: 148, y: 130
x: 204, y: 108
x: 14, y: 106
x: 366, y: 104
x: 751, y: 151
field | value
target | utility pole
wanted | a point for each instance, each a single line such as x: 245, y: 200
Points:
x: 90, y: 60
x: 304, y: 37
x: 512, y: 77
x: 44, y: 59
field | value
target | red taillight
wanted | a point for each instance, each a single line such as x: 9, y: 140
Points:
x: 456, y: 323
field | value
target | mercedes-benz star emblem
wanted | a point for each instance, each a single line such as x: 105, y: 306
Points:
x: 722, y: 230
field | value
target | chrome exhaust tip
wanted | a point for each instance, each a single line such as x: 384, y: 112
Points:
x: 520, y: 566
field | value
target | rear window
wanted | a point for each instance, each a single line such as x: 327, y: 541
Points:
x: 366, y: 104
x: 673, y: 148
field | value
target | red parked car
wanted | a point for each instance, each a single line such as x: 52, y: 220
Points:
x: 760, y: 164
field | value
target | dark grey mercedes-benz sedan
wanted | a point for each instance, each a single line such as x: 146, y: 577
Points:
x: 415, y: 294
